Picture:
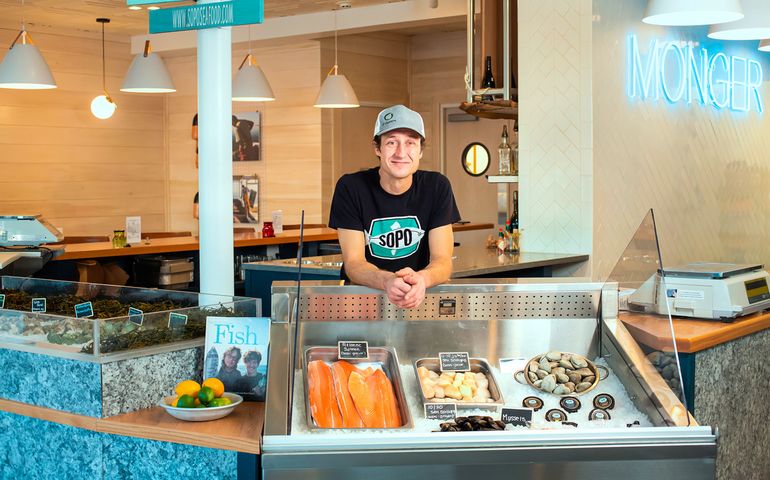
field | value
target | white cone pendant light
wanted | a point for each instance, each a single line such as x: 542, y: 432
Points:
x: 692, y: 12
x: 336, y: 91
x: 103, y: 106
x: 764, y: 45
x: 754, y: 26
x: 147, y: 74
x: 24, y: 67
x: 250, y: 83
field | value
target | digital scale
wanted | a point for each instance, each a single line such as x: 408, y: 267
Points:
x: 718, y: 291
x: 27, y: 231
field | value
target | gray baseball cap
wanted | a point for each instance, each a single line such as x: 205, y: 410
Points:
x: 398, y: 116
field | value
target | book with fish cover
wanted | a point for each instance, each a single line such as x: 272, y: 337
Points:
x: 236, y: 352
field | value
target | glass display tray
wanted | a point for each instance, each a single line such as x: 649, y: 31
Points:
x: 163, y: 320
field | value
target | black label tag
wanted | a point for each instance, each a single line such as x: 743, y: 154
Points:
x: 176, y: 320
x: 454, y: 361
x: 84, y: 310
x: 135, y: 316
x: 38, y: 304
x: 520, y: 417
x: 2, y: 300
x: 440, y: 411
x: 352, y: 350
x: 447, y: 306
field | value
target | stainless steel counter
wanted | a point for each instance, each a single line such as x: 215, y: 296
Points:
x: 468, y: 262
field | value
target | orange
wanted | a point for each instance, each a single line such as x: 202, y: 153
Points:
x: 216, y: 385
x: 174, y: 402
x: 188, y: 387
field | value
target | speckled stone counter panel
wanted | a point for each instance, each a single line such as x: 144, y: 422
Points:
x: 733, y: 407
x: 52, y: 382
x: 34, y: 449
x: 137, y: 383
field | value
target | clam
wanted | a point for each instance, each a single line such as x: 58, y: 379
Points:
x: 561, y: 390
x: 565, y: 364
x: 533, y: 377
x: 589, y: 379
x: 575, y: 377
x: 558, y: 370
x: 561, y: 378
x: 533, y: 366
x: 578, y: 361
x: 581, y: 387
x: 584, y: 372
x: 570, y: 386
x: 549, y: 383
x: 541, y: 374
x: 553, y: 356
x: 544, y: 365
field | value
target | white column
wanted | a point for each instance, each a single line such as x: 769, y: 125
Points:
x: 215, y: 169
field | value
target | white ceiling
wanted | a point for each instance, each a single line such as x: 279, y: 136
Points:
x: 82, y: 14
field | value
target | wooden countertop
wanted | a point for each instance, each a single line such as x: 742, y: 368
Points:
x: 240, y: 431
x: 691, y: 335
x: 77, y: 251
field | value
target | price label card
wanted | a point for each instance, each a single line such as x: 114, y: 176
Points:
x: 135, y: 316
x: 351, y: 350
x: 440, y: 411
x: 38, y: 304
x: 84, y: 310
x: 519, y: 417
x: 454, y: 361
x: 2, y: 300
x: 512, y: 365
x: 176, y: 320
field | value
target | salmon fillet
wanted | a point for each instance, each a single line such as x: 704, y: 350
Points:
x: 379, y: 383
x: 366, y: 401
x: 341, y: 370
x: 323, y: 404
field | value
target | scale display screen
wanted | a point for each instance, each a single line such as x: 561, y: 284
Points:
x: 757, y: 290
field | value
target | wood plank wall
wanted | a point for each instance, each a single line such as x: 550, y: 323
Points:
x: 290, y: 169
x: 83, y: 174
x: 437, y: 72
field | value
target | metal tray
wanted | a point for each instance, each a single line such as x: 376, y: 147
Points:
x: 383, y: 355
x: 477, y: 365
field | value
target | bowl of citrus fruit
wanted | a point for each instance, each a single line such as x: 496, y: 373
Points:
x: 195, y: 402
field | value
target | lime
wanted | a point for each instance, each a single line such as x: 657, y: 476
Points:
x: 206, y: 395
x: 216, y: 384
x: 186, y: 401
x: 220, y: 402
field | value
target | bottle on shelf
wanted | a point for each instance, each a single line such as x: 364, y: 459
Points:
x: 501, y: 243
x: 488, y: 81
x: 515, y: 235
x: 504, y: 154
x: 515, y: 151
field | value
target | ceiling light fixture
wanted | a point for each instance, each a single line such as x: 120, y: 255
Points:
x: 691, y: 12
x: 250, y: 83
x: 147, y: 74
x: 23, y: 66
x: 754, y: 26
x: 336, y: 91
x: 135, y: 7
x: 764, y: 45
x: 102, y: 106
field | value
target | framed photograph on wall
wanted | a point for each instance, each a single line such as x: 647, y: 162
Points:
x: 247, y: 137
x: 245, y: 199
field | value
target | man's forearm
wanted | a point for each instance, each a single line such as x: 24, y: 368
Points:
x: 438, y: 271
x: 365, y: 273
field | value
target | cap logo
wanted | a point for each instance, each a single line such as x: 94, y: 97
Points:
x: 388, y: 116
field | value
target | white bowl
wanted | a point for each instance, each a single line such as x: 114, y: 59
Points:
x: 201, y: 414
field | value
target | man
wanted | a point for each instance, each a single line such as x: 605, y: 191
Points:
x: 394, y: 222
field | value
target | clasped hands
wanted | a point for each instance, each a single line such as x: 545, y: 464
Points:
x: 406, y: 289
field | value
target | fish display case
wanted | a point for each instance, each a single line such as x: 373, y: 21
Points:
x: 554, y: 385
x: 125, y: 347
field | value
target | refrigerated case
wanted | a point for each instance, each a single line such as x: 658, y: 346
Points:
x: 508, y: 323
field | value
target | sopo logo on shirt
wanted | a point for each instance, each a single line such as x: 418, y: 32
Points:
x: 394, y: 237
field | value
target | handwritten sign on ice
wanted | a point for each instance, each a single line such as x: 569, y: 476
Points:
x: 352, y: 350
x: 454, y: 361
x: 440, y: 411
x: 518, y: 417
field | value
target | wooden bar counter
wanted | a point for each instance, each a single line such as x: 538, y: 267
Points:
x: 79, y: 251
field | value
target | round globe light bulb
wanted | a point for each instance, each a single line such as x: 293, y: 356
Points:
x: 102, y: 107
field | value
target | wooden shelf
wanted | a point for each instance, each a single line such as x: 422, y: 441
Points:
x: 496, y: 109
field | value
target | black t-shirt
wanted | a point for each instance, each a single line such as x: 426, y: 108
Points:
x: 395, y: 226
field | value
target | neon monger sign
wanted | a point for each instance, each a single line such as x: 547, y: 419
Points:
x: 682, y: 73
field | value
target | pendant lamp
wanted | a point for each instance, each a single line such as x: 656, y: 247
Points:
x: 336, y: 91
x: 147, y: 74
x: 692, y: 12
x: 754, y: 26
x: 23, y: 66
x: 764, y: 45
x: 250, y: 83
x: 102, y: 106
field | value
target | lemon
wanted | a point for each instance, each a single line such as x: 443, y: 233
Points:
x: 220, y: 402
x: 188, y: 387
x: 206, y: 395
x: 174, y: 401
x: 216, y: 385
x: 185, y: 401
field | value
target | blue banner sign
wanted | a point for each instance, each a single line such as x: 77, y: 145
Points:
x: 135, y: 316
x: 208, y: 15
x: 84, y: 310
x: 680, y: 72
x: 176, y: 320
